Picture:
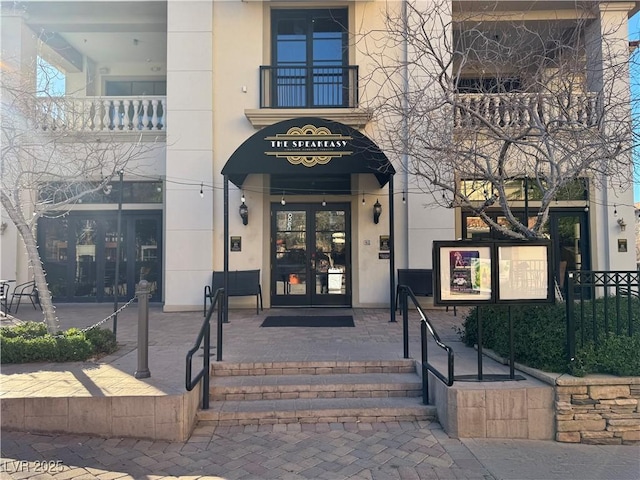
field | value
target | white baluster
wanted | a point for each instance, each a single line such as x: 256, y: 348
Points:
x: 118, y: 118
x: 154, y: 117
x: 136, y: 115
x: 145, y: 114
x: 106, y: 122
x: 163, y: 102
x: 95, y: 105
x: 127, y: 121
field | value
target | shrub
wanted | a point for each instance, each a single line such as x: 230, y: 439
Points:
x: 540, y: 336
x: 103, y: 341
x: 30, y: 342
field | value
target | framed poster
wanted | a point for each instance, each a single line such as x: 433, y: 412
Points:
x: 524, y: 272
x: 463, y: 273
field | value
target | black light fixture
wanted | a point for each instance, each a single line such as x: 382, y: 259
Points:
x: 244, y: 212
x: 377, y: 210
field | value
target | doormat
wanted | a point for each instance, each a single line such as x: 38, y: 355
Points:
x: 306, y: 321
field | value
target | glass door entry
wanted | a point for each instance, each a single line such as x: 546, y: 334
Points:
x: 310, y: 255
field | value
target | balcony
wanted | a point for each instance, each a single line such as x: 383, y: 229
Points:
x: 525, y: 110
x: 309, y: 87
x: 102, y: 114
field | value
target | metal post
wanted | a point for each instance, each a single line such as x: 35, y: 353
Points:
x: 225, y: 299
x: 479, y: 345
x: 143, y: 291
x: 512, y: 353
x: 404, y: 300
x: 392, y: 264
x: 425, y: 370
x: 116, y: 280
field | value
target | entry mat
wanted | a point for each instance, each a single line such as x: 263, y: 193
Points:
x: 308, y: 321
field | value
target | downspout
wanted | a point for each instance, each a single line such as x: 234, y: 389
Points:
x: 225, y: 302
x: 392, y: 263
x: 405, y: 137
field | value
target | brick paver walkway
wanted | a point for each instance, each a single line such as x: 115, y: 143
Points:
x: 411, y: 451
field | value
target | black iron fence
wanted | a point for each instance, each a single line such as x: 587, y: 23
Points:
x: 309, y: 86
x: 599, y: 304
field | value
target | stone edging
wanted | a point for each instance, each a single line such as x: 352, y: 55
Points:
x: 596, y: 409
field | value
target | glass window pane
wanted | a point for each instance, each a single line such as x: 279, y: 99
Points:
x: 85, y: 277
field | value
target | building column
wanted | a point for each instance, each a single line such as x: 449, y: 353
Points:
x: 188, y: 219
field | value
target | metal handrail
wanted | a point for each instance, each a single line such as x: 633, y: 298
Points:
x: 406, y: 293
x: 205, y: 334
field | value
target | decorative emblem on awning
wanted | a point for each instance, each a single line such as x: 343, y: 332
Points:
x: 308, y: 145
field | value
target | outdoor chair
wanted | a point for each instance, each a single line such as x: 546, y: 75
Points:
x: 27, y: 289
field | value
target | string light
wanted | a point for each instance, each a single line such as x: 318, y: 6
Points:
x: 615, y: 210
x: 363, y: 202
x: 282, y: 200
x: 201, y: 190
x: 324, y: 202
x: 242, y: 199
x: 404, y: 198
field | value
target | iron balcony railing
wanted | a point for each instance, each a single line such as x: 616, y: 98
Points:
x: 308, y: 87
x: 101, y: 114
x: 525, y: 110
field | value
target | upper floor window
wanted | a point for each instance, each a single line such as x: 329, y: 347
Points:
x: 135, y: 88
x: 310, y: 58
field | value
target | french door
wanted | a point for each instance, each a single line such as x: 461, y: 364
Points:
x: 310, y: 255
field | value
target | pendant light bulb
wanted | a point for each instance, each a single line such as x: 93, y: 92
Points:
x: 201, y: 190
x: 282, y: 200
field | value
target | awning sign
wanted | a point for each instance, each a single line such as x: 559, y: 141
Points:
x: 308, y: 145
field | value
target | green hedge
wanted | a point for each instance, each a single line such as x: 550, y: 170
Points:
x: 30, y: 342
x: 540, y: 337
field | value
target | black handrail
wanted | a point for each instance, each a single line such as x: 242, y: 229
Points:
x: 405, y: 294
x: 205, y: 334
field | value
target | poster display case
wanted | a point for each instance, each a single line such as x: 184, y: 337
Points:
x: 490, y: 272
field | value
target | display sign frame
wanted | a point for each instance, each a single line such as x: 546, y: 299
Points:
x: 524, y: 272
x: 502, y: 272
x: 463, y: 273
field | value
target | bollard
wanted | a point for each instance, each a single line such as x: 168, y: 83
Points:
x: 143, y: 293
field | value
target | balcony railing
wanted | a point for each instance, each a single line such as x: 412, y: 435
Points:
x: 525, y: 110
x: 309, y: 87
x: 101, y: 114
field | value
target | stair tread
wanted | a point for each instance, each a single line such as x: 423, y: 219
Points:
x: 315, y: 404
x: 396, y: 380
x: 313, y: 410
x: 399, y: 362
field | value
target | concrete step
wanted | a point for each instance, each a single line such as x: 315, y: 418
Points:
x: 219, y: 369
x: 350, y: 385
x: 316, y: 410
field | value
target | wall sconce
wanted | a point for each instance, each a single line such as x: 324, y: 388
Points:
x: 244, y: 213
x: 622, y: 225
x: 377, y: 210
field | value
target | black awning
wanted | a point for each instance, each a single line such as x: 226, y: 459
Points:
x: 308, y: 146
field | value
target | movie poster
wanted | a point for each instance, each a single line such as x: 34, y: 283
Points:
x: 465, y: 272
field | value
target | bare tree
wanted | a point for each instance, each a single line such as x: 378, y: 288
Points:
x: 51, y: 159
x: 491, y: 111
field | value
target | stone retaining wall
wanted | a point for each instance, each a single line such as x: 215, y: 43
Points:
x: 598, y: 409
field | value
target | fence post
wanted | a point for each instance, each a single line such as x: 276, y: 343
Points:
x: 143, y: 290
x: 571, y: 339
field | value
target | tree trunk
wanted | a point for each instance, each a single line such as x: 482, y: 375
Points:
x: 35, y: 263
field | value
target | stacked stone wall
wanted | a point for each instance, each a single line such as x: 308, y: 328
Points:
x: 598, y: 411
